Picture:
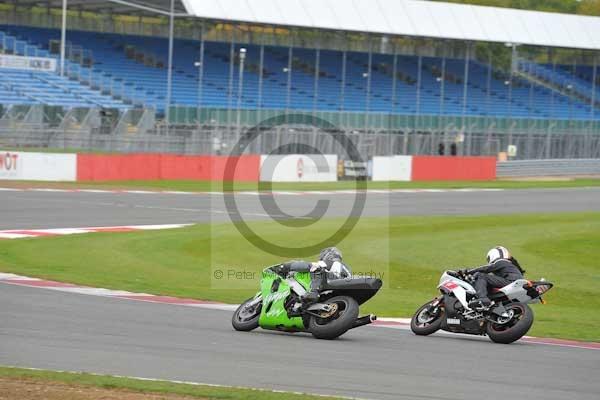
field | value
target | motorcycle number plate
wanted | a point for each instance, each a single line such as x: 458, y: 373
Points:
x: 453, y: 321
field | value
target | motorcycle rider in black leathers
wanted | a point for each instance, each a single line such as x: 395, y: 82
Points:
x: 329, y: 265
x: 501, y: 270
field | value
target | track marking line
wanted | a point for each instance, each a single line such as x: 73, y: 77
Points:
x: 252, y: 193
x: 35, y: 233
x: 191, y: 383
x: 394, y: 323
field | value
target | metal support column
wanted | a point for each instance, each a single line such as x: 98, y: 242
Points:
x: 240, y: 93
x: 230, y: 79
x: 465, y: 87
x: 170, y: 65
x: 513, y: 62
x: 441, y: 119
x: 200, y: 65
x: 368, y: 89
x: 594, y: 79
x: 418, y: 94
x: 261, y: 63
x: 548, y: 145
x: 63, y: 37
x: 288, y: 93
x: 343, y: 89
x: 316, y: 82
x: 394, y: 81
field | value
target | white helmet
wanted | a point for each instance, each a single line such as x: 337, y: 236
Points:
x: 498, y: 253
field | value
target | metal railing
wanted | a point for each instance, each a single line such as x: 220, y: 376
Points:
x: 129, y: 133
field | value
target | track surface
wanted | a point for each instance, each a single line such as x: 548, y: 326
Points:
x: 39, y: 210
x: 63, y: 331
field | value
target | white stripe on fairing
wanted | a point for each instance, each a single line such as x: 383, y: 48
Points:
x: 11, y: 190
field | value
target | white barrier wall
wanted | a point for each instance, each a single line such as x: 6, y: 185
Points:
x: 38, y: 166
x: 28, y: 63
x: 393, y: 168
x: 298, y: 168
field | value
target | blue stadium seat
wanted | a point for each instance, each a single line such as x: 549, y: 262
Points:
x: 139, y: 83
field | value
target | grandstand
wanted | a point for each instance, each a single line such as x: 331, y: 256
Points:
x: 142, y: 83
x: 437, y: 71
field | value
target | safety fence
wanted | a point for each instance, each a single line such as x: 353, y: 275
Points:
x: 541, y: 168
x: 221, y: 141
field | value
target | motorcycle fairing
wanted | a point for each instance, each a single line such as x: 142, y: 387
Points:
x: 275, y: 291
x: 517, y: 292
x: 458, y: 287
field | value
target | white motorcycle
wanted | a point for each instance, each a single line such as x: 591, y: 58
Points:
x: 505, y: 321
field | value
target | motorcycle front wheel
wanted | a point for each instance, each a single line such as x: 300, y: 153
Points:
x: 424, y: 322
x: 513, y: 329
x: 342, y: 318
x: 245, y: 318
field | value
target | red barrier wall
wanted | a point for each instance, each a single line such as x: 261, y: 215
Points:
x: 99, y: 167
x: 440, y: 168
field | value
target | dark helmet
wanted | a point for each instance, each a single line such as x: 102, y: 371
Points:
x: 330, y: 254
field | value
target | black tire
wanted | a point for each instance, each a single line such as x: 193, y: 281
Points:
x: 246, y: 320
x: 339, y: 323
x: 515, y: 329
x: 424, y: 328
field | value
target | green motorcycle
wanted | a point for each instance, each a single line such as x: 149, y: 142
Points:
x: 278, y: 305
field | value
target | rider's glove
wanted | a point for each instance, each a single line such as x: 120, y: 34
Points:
x: 283, y: 269
x: 318, y: 266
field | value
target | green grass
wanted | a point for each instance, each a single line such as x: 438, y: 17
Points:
x: 146, y: 386
x: 200, y: 186
x: 410, y: 252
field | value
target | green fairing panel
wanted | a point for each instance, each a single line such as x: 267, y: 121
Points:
x: 276, y: 316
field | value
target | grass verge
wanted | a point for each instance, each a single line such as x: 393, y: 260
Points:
x: 83, y: 380
x: 204, y: 186
x: 409, y: 253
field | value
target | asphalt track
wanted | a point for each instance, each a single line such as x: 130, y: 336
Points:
x: 40, y: 210
x: 65, y: 331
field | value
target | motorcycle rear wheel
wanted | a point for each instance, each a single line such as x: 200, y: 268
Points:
x: 336, y: 325
x: 423, y: 323
x: 244, y: 318
x: 514, y: 329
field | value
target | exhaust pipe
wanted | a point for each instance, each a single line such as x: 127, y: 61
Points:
x: 366, y: 320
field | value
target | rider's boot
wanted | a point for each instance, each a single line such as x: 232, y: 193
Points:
x: 316, y: 285
x: 480, y: 304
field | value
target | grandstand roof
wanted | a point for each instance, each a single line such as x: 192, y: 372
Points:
x: 411, y: 18
x: 136, y: 7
